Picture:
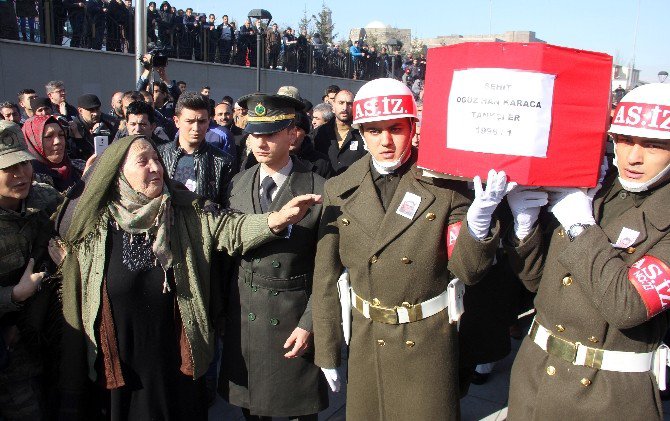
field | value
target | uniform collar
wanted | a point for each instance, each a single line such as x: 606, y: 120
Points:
x: 280, y: 176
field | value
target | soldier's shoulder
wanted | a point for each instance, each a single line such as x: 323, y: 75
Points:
x: 44, y: 196
x: 349, y: 179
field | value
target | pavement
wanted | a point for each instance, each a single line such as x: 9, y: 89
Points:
x: 487, y: 402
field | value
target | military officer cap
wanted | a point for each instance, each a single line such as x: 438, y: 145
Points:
x: 12, y: 145
x: 269, y: 113
x: 88, y: 102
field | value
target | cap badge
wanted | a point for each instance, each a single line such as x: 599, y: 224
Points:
x: 260, y: 110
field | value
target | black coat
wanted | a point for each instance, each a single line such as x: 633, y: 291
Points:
x: 353, y: 147
x: 213, y: 168
x: 269, y: 297
x: 317, y: 161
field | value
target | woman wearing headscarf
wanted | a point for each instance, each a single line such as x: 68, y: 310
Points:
x: 137, y: 295
x: 45, y: 139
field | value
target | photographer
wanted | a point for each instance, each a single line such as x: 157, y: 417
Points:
x: 154, y: 61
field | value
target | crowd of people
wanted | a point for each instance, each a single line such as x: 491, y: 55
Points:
x: 178, y: 246
x: 184, y: 34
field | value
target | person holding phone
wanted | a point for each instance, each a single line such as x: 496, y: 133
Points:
x: 91, y: 128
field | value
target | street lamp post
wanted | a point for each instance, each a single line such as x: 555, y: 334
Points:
x: 662, y: 76
x: 140, y: 33
x: 392, y: 43
x: 262, y: 15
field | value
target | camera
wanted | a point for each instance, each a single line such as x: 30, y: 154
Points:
x: 158, y: 57
x: 65, y: 125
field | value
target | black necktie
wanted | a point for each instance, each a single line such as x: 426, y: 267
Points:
x: 266, y: 193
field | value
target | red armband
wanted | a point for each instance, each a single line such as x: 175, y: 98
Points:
x: 451, y: 234
x: 651, y: 278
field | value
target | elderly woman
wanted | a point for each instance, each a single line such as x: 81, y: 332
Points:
x: 45, y: 139
x: 137, y: 295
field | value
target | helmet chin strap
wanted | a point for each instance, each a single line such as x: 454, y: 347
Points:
x: 637, y: 187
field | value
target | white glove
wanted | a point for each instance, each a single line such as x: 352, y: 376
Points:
x: 525, y: 203
x: 485, y: 202
x: 333, y: 378
x: 571, y: 205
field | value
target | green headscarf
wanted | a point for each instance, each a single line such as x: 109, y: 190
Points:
x: 137, y: 214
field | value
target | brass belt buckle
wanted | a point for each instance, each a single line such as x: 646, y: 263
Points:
x: 593, y: 357
x: 414, y: 311
x: 383, y: 314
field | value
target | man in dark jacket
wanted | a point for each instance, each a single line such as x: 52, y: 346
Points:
x: 303, y: 147
x: 190, y: 160
x: 337, y: 139
x: 76, y: 12
x: 90, y: 122
x: 269, y: 308
x: 56, y: 92
x: 96, y: 19
x: 226, y: 40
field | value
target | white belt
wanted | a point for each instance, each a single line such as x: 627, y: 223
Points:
x: 579, y: 354
x: 404, y: 313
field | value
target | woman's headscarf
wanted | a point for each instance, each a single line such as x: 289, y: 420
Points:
x: 33, y: 130
x: 106, y: 190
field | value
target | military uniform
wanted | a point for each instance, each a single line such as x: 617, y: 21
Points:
x: 584, y: 295
x: 396, y: 371
x: 25, y: 234
x: 270, y: 298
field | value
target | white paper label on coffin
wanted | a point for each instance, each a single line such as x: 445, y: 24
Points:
x: 500, y: 111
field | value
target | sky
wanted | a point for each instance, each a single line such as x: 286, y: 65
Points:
x: 596, y: 25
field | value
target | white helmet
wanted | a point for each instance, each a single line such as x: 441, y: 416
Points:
x: 383, y: 99
x: 644, y: 112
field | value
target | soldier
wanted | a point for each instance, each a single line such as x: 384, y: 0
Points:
x: 268, y: 365
x: 395, y: 230
x: 602, y: 282
x: 24, y: 221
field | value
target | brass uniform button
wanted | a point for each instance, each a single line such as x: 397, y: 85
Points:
x: 274, y: 322
x: 252, y: 317
x: 409, y: 343
x: 274, y: 292
x: 560, y: 328
x: 376, y: 302
x: 254, y: 288
x: 345, y: 221
x: 551, y: 370
x: 406, y: 260
x: 567, y: 281
x: 381, y: 342
x: 593, y: 339
x: 630, y: 250
x: 585, y: 382
x: 561, y: 233
x: 430, y: 216
x: 276, y: 264
x: 373, y: 259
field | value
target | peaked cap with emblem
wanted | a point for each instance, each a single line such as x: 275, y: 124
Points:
x: 12, y: 145
x: 269, y: 113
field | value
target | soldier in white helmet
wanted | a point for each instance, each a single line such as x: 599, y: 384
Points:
x: 395, y: 232
x: 601, y: 270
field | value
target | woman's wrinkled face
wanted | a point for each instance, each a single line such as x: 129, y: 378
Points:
x: 53, y: 143
x: 143, y: 169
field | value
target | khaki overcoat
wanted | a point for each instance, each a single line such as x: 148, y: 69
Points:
x: 584, y: 295
x: 396, y: 372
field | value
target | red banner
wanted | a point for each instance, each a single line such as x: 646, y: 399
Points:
x: 651, y: 278
x: 535, y: 110
x: 451, y: 236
